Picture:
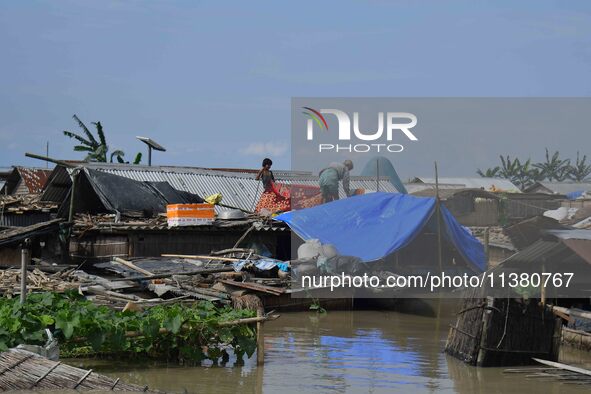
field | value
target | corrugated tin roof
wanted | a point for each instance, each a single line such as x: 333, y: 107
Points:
x: 34, y: 178
x: 5, y: 171
x: 534, y: 253
x: 576, y: 240
x: 571, y: 234
x: 562, y: 187
x: 413, y: 188
x: 238, y: 189
x: 472, y: 183
x: 445, y: 194
x: 13, y: 235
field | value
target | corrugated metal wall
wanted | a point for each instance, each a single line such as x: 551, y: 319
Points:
x: 523, y: 209
x: 99, y: 248
x: 26, y: 219
x: 238, y: 191
x: 103, y: 247
x: 486, y: 213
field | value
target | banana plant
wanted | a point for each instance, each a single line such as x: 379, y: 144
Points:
x: 555, y: 168
x: 580, y: 170
x: 96, y: 148
x: 489, y: 172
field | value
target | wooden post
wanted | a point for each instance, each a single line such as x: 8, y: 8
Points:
x: 542, y: 287
x: 72, y: 194
x: 24, y: 263
x: 260, y: 340
x: 66, y: 257
x: 486, y: 246
x: 482, y: 344
x: 556, y: 339
x: 438, y: 213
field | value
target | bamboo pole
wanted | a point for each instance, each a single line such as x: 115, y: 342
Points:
x: 438, y: 213
x: 72, y: 195
x: 201, y: 257
x: 486, y: 245
x: 24, y: 263
x: 260, y: 340
x: 543, y: 288
x: 169, y: 274
x: 377, y: 175
x: 49, y: 159
x: 567, y: 311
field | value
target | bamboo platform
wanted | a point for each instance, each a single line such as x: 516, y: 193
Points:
x: 576, y: 338
x: 23, y: 370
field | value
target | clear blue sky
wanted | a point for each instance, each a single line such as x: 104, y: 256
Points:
x: 212, y: 81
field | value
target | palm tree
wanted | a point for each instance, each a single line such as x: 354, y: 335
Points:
x: 580, y: 170
x: 554, y: 168
x: 97, y: 148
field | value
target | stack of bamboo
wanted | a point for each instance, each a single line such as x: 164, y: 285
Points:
x: 25, y: 202
x: 36, y: 280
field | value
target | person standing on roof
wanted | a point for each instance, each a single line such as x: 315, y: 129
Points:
x: 271, y: 199
x: 330, y: 177
x: 265, y: 175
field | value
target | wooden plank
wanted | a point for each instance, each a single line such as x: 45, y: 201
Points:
x: 201, y: 257
x: 106, y: 283
x: 560, y: 311
x: 254, y: 286
x: 564, y: 366
x: 169, y: 274
x: 134, y: 267
x: 108, y: 293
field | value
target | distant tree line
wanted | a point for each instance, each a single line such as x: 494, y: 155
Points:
x: 525, y: 173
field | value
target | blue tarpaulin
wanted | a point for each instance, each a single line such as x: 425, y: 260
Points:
x: 374, y: 225
x: 574, y: 195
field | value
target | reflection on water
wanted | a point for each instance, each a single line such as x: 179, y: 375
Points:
x: 342, y: 352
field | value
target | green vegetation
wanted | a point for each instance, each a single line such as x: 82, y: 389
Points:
x: 315, y: 306
x: 174, y: 332
x: 96, y: 147
x: 523, y: 173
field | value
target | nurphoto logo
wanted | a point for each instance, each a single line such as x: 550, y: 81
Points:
x: 395, y: 122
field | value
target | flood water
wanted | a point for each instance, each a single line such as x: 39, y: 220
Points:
x: 343, y: 352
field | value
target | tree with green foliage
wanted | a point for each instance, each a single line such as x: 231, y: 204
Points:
x: 96, y: 147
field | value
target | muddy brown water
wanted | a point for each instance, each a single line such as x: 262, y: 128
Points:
x: 343, y: 352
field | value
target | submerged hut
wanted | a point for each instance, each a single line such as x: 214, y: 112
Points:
x: 493, y: 332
